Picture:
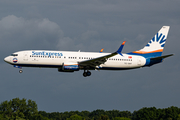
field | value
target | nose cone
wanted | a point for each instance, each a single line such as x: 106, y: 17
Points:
x: 7, y: 59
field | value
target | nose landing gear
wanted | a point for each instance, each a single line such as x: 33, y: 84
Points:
x: 20, y: 71
x: 16, y: 66
x: 86, y: 73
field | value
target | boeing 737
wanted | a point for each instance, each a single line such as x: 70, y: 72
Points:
x: 68, y: 61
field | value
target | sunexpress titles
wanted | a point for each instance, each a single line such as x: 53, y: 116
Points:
x: 43, y: 53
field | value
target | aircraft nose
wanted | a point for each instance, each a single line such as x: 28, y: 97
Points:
x: 6, y: 59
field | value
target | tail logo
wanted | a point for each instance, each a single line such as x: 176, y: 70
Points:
x: 157, y: 40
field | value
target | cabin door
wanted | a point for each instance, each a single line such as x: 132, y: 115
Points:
x: 25, y: 56
x: 139, y: 61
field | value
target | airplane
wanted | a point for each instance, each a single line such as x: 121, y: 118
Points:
x: 70, y: 61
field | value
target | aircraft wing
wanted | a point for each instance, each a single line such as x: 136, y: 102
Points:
x: 100, y: 60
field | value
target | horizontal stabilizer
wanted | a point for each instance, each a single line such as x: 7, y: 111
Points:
x: 161, y: 57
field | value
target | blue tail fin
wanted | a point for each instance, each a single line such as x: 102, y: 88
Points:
x: 156, y: 45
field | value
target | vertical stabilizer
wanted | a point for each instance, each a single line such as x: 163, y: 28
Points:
x: 156, y: 45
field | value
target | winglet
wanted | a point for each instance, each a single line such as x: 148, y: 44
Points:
x: 120, y: 48
x: 101, y: 50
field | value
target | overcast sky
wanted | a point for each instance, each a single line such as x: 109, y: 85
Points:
x: 90, y: 26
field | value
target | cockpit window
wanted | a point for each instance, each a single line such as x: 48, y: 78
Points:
x: 14, y: 54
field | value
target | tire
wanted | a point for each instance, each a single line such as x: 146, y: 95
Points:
x: 88, y: 73
x: 20, y: 71
x: 85, y: 74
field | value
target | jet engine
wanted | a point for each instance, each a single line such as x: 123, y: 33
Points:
x: 69, y: 67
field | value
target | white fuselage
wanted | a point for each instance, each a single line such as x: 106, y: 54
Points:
x: 68, y: 61
x: 43, y: 58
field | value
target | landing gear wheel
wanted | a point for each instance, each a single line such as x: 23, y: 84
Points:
x: 88, y: 73
x: 20, y: 71
x: 85, y: 74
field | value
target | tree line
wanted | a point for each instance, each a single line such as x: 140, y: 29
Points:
x: 22, y: 109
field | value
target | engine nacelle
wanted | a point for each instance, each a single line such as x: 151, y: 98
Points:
x: 69, y: 67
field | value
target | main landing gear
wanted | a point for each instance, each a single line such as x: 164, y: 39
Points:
x: 86, y: 73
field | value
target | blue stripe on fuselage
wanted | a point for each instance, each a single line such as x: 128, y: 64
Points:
x: 147, y: 55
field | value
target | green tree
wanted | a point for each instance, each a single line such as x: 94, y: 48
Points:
x: 172, y: 113
x: 19, y: 109
x: 43, y: 113
x: 178, y: 117
x: 96, y: 114
x: 125, y: 114
x: 113, y: 113
x: 103, y: 117
x: 121, y: 118
x: 75, y: 117
x: 145, y: 114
